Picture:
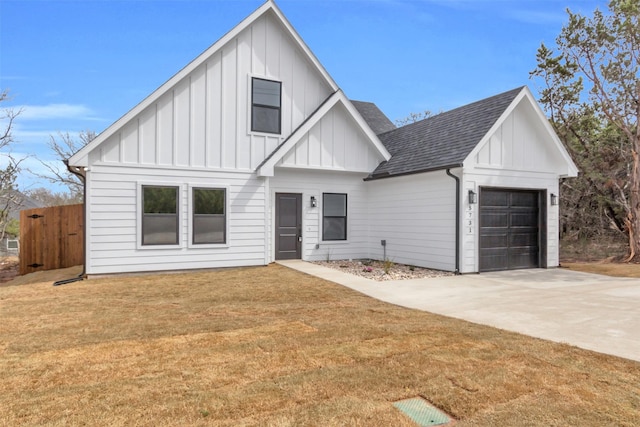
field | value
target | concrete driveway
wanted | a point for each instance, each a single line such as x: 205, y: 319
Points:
x: 590, y: 311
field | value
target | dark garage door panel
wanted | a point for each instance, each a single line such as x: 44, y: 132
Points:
x: 509, y: 230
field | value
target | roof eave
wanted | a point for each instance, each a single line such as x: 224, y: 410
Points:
x: 266, y: 168
x: 81, y: 157
x: 373, y: 177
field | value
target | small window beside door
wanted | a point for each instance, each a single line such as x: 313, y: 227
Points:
x: 266, y: 106
x: 334, y: 216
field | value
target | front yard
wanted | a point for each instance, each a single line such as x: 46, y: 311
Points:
x: 271, y: 346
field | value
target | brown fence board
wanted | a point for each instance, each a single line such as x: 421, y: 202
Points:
x: 51, y: 238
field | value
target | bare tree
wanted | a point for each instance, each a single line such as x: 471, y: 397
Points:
x: 48, y: 197
x: 413, y: 117
x: 63, y: 147
x: 9, y: 166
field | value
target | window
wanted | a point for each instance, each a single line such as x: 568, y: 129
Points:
x: 265, y: 106
x: 159, y: 215
x: 209, y: 216
x: 334, y: 216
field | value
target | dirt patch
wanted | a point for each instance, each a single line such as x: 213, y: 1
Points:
x: 595, y: 250
x: 382, y: 271
x: 48, y: 276
x: 9, y: 269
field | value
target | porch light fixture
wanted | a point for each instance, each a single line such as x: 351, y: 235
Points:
x: 473, y: 197
x: 554, y: 199
x: 314, y: 202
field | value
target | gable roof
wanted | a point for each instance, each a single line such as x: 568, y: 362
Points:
x: 81, y: 157
x: 444, y: 140
x: 266, y: 168
x: 375, y: 118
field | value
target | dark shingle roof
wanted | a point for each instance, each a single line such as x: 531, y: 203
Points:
x: 441, y: 141
x: 377, y: 121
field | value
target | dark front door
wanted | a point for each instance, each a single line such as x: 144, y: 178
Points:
x: 288, y: 225
x: 509, y: 229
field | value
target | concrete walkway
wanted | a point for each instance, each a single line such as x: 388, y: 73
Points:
x: 590, y: 311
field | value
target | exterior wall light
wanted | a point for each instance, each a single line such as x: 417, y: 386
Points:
x: 314, y: 202
x: 473, y: 197
x: 554, y: 199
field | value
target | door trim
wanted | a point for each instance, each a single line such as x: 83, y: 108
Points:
x: 276, y: 229
x: 542, y: 222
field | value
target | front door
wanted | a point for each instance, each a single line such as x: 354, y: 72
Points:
x: 288, y: 226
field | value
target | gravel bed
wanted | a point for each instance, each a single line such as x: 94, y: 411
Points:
x: 375, y: 270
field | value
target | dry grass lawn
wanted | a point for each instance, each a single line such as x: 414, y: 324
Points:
x: 616, y: 269
x: 271, y: 346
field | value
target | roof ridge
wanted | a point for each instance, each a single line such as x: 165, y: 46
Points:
x: 453, y: 110
x: 444, y: 139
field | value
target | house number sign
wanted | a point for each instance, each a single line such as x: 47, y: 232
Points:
x: 468, y: 220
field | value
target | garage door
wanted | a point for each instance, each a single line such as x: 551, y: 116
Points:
x: 509, y: 229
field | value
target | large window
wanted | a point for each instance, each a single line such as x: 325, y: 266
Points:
x: 334, y: 216
x: 159, y: 215
x: 265, y: 105
x: 209, y: 215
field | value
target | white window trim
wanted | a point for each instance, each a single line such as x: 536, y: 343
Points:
x: 250, y: 78
x: 321, y: 220
x: 190, y: 243
x: 139, y: 212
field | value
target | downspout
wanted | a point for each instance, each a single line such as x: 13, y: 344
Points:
x: 80, y: 173
x: 457, y: 271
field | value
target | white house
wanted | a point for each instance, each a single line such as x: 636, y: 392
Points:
x: 252, y: 153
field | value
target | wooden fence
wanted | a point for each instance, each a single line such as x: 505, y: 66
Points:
x: 51, y: 238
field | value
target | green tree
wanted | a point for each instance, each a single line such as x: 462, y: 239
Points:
x: 592, y: 93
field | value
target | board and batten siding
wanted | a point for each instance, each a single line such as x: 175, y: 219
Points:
x: 113, y: 221
x: 204, y: 120
x: 519, y: 155
x: 336, y: 142
x: 415, y: 214
x: 476, y: 179
x: 315, y: 183
x: 521, y: 144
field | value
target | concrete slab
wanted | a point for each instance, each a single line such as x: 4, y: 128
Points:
x: 590, y: 311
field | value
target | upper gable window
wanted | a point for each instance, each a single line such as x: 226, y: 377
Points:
x: 265, y: 105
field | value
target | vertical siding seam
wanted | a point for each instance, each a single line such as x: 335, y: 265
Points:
x: 332, y: 158
x: 293, y: 94
x: 156, y: 156
x: 222, y: 152
x: 206, y: 114
x: 305, y: 82
x: 248, y: 99
x: 139, y: 139
x: 190, y: 123
x: 174, y: 129
x: 120, y: 148
x: 237, y: 95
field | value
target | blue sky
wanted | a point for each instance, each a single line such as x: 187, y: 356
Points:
x: 75, y: 65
